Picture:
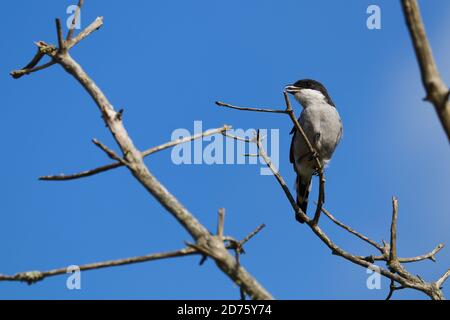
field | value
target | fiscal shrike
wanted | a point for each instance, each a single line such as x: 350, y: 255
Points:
x: 322, y: 125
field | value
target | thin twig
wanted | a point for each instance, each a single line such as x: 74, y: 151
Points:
x: 226, y: 105
x: 252, y: 234
x: 98, y: 22
x: 430, y: 255
x: 31, y: 66
x: 220, y: 224
x: 436, y: 89
x: 352, y: 231
x: 225, y: 134
x: 393, y: 242
x: 173, y: 143
x: 384, y: 257
x: 108, y: 151
x: 167, y: 145
x: 35, y: 276
x: 36, y: 59
x: 61, y: 42
x: 74, y: 20
x: 392, y: 288
x: 442, y: 279
x: 16, y: 74
x: 299, y: 214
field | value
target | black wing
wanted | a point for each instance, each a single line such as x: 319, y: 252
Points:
x: 291, y: 152
x: 294, y: 132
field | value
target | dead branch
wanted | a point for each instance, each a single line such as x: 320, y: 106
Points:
x: 352, y: 231
x: 207, y: 243
x: 395, y: 272
x: 392, y: 289
x: 442, y: 279
x: 74, y: 20
x: 437, y: 92
x: 44, y: 49
x: 383, y: 249
x: 32, y: 277
x: 393, y: 244
x: 118, y: 164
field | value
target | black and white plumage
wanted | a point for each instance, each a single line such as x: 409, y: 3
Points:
x: 322, y: 125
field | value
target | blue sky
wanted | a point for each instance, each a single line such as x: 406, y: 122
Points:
x: 166, y: 63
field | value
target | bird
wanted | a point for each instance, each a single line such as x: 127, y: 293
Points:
x: 323, y: 127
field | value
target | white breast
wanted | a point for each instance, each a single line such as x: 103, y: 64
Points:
x: 309, y: 97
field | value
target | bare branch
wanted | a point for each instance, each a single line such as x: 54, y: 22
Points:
x: 91, y: 172
x: 396, y: 273
x: 44, y: 48
x: 393, y: 243
x: 98, y: 22
x: 252, y: 234
x: 442, y: 279
x: 393, y: 288
x: 299, y: 214
x: 430, y: 255
x: 83, y: 174
x: 213, y: 246
x: 16, y: 74
x: 436, y: 90
x: 139, y: 170
x: 384, y: 256
x: 36, y: 59
x: 220, y: 224
x: 34, y: 276
x: 352, y: 231
x: 226, y: 105
x: 31, y: 66
x: 74, y: 20
x: 108, y: 151
x: 225, y: 134
x: 61, y: 42
x: 438, y: 93
x: 403, y: 277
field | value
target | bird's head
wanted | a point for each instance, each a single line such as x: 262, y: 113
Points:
x: 308, y: 91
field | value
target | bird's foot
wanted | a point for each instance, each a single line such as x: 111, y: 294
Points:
x: 299, y: 218
x: 313, y: 155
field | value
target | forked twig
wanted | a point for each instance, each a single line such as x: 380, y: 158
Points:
x: 118, y: 164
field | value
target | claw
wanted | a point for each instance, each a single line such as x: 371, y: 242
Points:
x: 299, y: 219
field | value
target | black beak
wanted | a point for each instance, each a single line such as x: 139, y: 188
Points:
x: 291, y: 89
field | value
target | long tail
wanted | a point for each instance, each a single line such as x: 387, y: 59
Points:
x: 303, y: 192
